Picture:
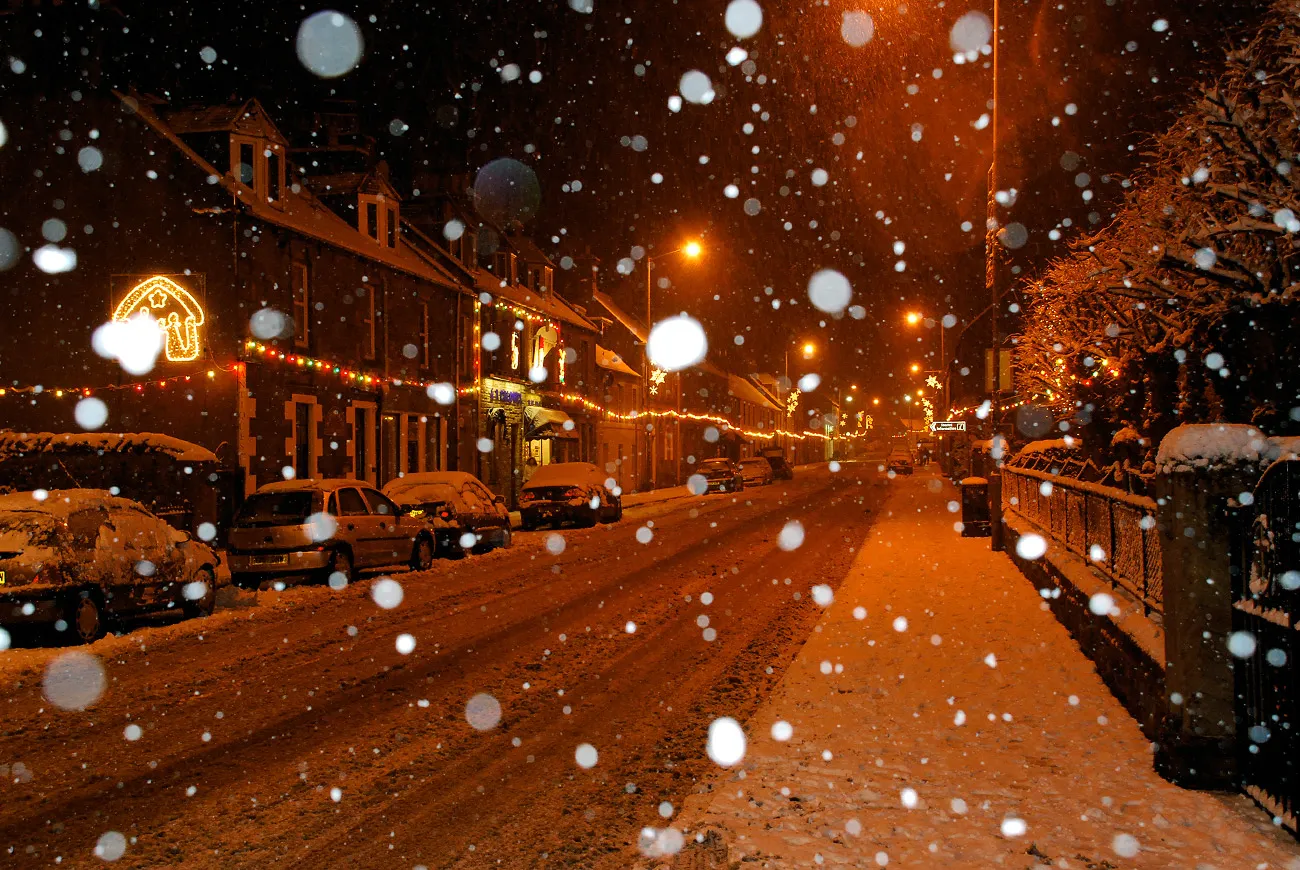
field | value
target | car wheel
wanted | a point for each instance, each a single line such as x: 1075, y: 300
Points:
x: 86, y: 616
x: 208, y: 602
x: 527, y: 525
x: 507, y: 538
x: 340, y: 563
x: 422, y: 554
x: 618, y: 510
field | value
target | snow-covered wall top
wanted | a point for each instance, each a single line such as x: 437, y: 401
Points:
x: 1205, y: 445
x: 1048, y: 446
x: 108, y: 442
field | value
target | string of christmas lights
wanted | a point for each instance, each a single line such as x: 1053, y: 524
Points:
x: 85, y: 391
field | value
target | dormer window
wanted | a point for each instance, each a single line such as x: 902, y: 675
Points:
x: 259, y: 166
x: 503, y: 266
x: 378, y: 218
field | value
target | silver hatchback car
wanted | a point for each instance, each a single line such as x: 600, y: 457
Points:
x: 313, y: 529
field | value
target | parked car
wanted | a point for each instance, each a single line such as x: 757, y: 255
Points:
x: 312, y: 529
x: 781, y: 467
x: 573, y: 492
x: 721, y: 475
x: 756, y: 471
x: 463, y: 513
x: 900, y: 461
x: 78, y: 559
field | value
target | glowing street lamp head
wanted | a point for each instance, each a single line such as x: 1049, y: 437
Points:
x: 916, y: 367
x: 809, y: 349
x: 692, y: 249
x: 875, y: 401
x: 913, y: 318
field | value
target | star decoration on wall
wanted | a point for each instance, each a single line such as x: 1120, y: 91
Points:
x: 933, y: 381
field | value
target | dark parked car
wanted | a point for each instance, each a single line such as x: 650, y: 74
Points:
x: 573, y: 492
x: 313, y: 529
x: 80, y: 558
x: 756, y: 471
x: 721, y: 475
x: 781, y: 467
x: 463, y: 513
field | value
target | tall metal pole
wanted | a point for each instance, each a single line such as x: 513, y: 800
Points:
x: 649, y: 439
x: 990, y: 277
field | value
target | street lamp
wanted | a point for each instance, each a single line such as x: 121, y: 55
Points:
x: 913, y: 319
x: 916, y: 367
x: 692, y: 249
x: 809, y: 350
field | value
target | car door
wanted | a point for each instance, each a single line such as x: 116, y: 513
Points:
x: 148, y: 567
x: 392, y: 545
x: 357, y: 527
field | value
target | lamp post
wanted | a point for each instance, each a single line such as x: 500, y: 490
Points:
x: 809, y: 350
x: 990, y: 279
x: 915, y: 318
x: 692, y: 250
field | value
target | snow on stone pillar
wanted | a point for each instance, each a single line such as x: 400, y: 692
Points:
x: 1200, y: 468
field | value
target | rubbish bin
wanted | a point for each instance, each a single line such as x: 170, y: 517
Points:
x: 975, y: 508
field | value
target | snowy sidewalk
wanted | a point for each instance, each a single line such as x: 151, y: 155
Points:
x: 965, y: 730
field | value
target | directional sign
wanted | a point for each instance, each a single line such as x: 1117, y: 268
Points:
x: 948, y: 426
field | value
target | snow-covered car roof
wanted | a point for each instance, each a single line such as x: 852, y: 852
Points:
x: 327, y: 484
x: 61, y: 502
x: 456, y: 479
x: 561, y: 473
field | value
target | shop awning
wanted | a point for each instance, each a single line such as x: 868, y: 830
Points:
x: 543, y: 423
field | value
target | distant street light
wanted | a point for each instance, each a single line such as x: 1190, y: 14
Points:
x: 809, y: 349
x: 875, y: 401
x: 913, y: 318
x: 916, y: 367
x: 692, y: 249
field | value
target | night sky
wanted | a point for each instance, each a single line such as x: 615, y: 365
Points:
x: 895, y: 127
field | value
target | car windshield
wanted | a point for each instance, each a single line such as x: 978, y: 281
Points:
x: 426, y: 494
x: 276, y: 508
x: 20, y: 530
x: 713, y: 464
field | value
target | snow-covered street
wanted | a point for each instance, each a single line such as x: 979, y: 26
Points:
x: 290, y: 724
x: 939, y: 716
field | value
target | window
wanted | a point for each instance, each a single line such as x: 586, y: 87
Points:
x: 351, y: 504
x: 370, y: 219
x: 424, y: 334
x: 243, y: 168
x: 467, y: 348
x: 392, y: 227
x: 361, y: 442
x: 381, y: 504
x: 503, y: 266
x: 368, y: 309
x: 413, y: 430
x: 302, y: 438
x: 301, y: 304
x: 668, y: 444
x: 274, y: 175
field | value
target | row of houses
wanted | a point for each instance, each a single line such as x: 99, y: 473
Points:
x: 318, y: 323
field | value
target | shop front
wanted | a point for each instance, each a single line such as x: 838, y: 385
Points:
x: 525, y: 433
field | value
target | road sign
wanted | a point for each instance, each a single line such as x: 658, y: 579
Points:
x: 948, y: 426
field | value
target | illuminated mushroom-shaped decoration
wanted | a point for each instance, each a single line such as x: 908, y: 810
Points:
x: 176, y: 311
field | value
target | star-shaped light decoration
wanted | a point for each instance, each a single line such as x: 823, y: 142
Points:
x: 792, y: 402
x: 933, y: 381
x: 657, y: 378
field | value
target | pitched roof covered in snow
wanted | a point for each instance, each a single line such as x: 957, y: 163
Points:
x: 297, y: 210
x: 547, y: 303
x: 745, y: 390
x: 139, y: 443
x: 607, y: 359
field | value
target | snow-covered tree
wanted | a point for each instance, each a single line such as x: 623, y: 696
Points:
x: 1185, y: 308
